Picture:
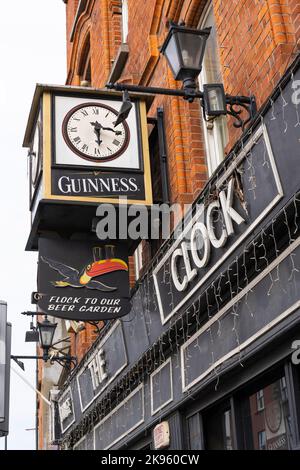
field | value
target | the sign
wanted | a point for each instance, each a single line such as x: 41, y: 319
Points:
x: 83, y: 280
x: 67, y: 182
x: 161, y: 436
x: 105, y: 364
x: 220, y: 225
x: 66, y: 410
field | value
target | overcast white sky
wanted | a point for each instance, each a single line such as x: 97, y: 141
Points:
x: 32, y: 50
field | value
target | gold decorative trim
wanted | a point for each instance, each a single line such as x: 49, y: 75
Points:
x: 47, y: 151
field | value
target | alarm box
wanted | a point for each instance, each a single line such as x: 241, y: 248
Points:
x: 83, y: 153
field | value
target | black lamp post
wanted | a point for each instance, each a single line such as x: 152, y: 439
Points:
x: 44, y: 333
x: 46, y: 330
x: 184, y: 50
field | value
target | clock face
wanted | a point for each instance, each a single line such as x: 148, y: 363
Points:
x: 88, y: 130
x: 36, y: 154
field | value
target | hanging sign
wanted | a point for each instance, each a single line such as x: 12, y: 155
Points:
x: 78, y: 151
x: 83, y: 280
x: 80, y: 156
x: 161, y: 436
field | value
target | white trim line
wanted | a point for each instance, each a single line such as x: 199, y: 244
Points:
x: 85, y: 366
x: 134, y: 392
x: 167, y: 362
x: 63, y: 430
x: 261, y: 130
x: 241, y: 294
x: 79, y: 442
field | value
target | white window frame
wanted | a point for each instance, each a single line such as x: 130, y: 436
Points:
x: 124, y: 20
x: 260, y: 400
x: 138, y: 261
x: 212, y: 133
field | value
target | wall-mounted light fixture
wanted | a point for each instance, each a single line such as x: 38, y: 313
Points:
x: 184, y: 50
x: 44, y: 333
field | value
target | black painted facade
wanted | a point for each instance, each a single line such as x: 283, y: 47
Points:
x: 212, y: 357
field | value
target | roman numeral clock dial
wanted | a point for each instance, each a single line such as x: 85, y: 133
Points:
x: 88, y: 130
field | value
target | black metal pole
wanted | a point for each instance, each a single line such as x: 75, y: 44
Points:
x: 154, y: 90
x: 27, y: 357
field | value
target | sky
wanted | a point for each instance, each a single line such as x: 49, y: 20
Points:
x: 32, y: 50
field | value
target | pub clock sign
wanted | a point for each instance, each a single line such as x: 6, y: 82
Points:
x: 81, y: 156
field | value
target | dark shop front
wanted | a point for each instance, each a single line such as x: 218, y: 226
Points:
x: 207, y: 356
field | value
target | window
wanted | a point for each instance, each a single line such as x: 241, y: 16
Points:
x: 84, y: 67
x: 262, y: 440
x: 266, y: 421
x: 260, y: 400
x: 124, y: 20
x: 138, y: 260
x: 217, y: 427
x: 215, y: 131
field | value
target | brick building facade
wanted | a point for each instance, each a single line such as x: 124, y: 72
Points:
x: 251, y: 47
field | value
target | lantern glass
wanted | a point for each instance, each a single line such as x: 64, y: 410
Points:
x: 184, y: 50
x: 47, y: 330
x: 192, y: 47
x: 173, y: 56
x: 214, y: 99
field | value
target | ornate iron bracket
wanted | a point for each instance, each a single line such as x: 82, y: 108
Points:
x: 245, y: 102
x: 190, y: 93
x: 95, y: 324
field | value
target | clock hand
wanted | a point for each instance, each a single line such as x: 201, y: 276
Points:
x: 112, y: 130
x: 99, y: 126
x: 97, y: 130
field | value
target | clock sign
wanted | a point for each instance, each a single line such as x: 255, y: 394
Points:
x: 89, y: 131
x: 82, y: 156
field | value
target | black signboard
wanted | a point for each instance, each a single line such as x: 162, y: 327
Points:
x: 83, y: 280
x: 97, y: 184
x: 216, y: 230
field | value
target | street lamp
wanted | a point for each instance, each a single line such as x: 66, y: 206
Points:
x: 184, y: 50
x: 214, y: 99
x: 46, y: 330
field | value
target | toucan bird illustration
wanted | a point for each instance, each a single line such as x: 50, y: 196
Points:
x: 84, y: 278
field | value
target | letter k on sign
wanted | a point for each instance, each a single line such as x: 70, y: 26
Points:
x: 229, y: 212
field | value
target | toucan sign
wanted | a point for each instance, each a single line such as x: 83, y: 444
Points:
x: 83, y: 280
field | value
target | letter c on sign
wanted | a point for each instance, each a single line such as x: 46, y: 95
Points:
x: 200, y: 262
x: 180, y: 286
x: 216, y: 242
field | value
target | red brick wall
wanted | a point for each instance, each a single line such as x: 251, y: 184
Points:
x: 257, y: 40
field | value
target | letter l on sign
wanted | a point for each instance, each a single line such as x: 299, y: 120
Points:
x: 228, y: 211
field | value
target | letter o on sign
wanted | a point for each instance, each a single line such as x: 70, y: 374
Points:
x: 200, y: 262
